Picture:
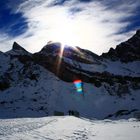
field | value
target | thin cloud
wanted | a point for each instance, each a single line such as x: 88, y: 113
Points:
x: 91, y: 25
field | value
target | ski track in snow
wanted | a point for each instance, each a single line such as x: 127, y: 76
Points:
x: 68, y: 128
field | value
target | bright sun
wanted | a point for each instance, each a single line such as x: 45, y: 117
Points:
x: 65, y: 31
x: 65, y: 35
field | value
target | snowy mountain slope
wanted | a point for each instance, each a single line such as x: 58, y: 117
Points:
x: 112, y: 67
x: 31, y: 86
x: 69, y: 128
x: 31, y: 97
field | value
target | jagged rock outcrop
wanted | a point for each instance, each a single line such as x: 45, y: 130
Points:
x: 17, y: 50
x: 127, y: 51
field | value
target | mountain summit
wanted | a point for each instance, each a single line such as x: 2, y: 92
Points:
x: 16, y: 46
x: 17, y: 50
x: 127, y: 51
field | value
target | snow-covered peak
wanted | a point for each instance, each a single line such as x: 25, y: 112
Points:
x: 127, y: 51
x: 56, y: 49
x: 16, y: 46
x: 17, y: 50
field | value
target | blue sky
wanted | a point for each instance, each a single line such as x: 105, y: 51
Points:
x: 96, y: 25
x: 13, y: 24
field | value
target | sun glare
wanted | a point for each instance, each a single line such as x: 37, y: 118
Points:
x: 68, y: 32
x: 65, y: 31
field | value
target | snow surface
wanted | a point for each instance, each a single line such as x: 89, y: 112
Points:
x: 68, y: 128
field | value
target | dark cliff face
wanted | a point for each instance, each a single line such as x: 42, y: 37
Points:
x: 50, y: 49
x: 51, y: 55
x: 73, y: 53
x: 16, y: 46
x: 127, y: 51
x: 49, y: 58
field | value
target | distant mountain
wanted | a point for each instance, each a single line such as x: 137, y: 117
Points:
x: 41, y: 84
x: 128, y: 51
x: 17, y: 50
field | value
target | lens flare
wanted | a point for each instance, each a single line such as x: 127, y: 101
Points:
x: 78, y: 84
x: 60, y: 56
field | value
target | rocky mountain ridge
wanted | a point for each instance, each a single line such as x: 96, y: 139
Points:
x: 40, y: 84
x: 127, y: 51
